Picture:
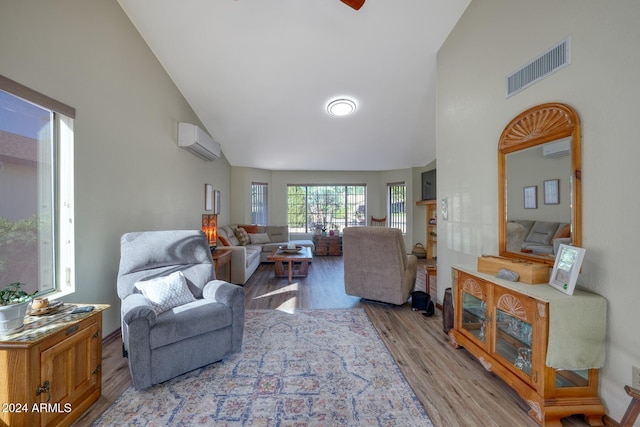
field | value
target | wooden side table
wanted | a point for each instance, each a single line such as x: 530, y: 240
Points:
x: 52, y: 368
x: 222, y: 257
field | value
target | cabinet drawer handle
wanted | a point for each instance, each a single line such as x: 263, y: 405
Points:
x: 71, y: 330
x: 44, y: 389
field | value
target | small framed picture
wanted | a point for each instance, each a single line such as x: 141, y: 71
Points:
x: 531, y: 197
x: 551, y: 194
x: 566, y: 268
x: 208, y: 197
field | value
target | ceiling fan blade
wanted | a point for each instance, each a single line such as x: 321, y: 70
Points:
x: 356, y: 4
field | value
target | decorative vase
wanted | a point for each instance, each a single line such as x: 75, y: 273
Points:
x: 12, y: 316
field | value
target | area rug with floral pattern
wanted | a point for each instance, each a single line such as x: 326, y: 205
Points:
x: 303, y: 368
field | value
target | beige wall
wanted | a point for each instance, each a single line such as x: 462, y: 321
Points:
x: 493, y: 39
x: 376, y: 182
x: 130, y: 174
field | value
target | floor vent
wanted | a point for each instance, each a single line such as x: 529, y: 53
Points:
x: 546, y: 64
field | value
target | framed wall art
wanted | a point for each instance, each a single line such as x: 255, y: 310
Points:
x: 566, y: 268
x: 216, y: 202
x: 531, y: 197
x: 208, y: 197
x: 551, y: 193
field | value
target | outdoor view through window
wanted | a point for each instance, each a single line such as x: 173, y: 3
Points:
x: 30, y: 155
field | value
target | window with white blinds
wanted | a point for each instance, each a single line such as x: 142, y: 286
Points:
x: 259, y: 193
x: 396, y: 206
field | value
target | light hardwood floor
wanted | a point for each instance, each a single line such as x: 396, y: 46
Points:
x: 452, y: 386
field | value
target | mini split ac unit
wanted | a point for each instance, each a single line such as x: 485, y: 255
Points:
x: 194, y: 139
x: 557, y: 149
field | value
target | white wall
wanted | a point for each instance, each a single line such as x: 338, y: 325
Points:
x: 492, y: 39
x: 130, y: 174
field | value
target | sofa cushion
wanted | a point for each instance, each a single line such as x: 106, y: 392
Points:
x: 252, y: 253
x: 242, y: 236
x: 196, y: 318
x: 542, y: 232
x: 228, y: 232
x: 258, y: 238
x: 224, y: 241
x: 278, y: 233
x: 166, y: 292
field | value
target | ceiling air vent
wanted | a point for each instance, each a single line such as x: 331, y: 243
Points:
x: 544, y: 65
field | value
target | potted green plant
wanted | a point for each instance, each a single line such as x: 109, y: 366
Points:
x: 13, y: 307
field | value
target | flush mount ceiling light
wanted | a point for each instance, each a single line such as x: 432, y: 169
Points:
x: 341, y: 107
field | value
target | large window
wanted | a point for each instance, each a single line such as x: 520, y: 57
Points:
x: 259, y: 203
x: 325, y: 207
x: 396, y: 206
x: 36, y: 190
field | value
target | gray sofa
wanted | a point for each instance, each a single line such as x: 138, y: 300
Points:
x: 175, y: 316
x: 246, y: 258
x: 537, y: 237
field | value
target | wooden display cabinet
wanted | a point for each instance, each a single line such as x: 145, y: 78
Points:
x: 51, y: 369
x: 508, y: 332
x: 432, y: 228
x: 431, y: 266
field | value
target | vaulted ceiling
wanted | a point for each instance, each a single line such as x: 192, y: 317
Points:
x: 259, y: 74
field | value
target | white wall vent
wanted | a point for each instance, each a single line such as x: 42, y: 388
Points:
x: 556, y: 58
x: 194, y: 139
x: 557, y: 149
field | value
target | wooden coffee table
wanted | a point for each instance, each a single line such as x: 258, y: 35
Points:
x: 298, y: 263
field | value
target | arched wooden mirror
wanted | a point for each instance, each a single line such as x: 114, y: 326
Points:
x: 539, y: 184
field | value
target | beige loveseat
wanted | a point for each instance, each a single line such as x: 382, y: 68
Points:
x: 247, y: 255
x: 376, y: 264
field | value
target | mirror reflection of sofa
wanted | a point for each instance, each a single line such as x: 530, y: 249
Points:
x: 537, y: 237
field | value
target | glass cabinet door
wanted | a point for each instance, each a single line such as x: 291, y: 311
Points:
x: 474, y: 309
x: 514, y: 333
x: 474, y: 316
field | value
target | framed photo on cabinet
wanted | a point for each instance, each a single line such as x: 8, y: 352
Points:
x: 566, y: 268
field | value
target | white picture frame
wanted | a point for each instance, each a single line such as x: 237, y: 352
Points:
x: 566, y: 268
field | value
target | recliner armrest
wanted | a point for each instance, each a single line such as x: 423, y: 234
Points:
x: 223, y: 292
x: 136, y: 306
x: 233, y: 297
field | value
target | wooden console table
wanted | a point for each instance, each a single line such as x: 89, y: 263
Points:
x: 542, y: 343
x: 52, y: 368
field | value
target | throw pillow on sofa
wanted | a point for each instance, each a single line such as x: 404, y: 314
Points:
x: 243, y: 236
x: 259, y: 238
x: 251, y: 228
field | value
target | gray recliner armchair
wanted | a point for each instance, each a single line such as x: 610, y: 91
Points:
x: 376, y: 264
x: 175, y: 316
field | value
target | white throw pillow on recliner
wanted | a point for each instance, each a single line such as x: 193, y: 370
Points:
x: 166, y: 292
